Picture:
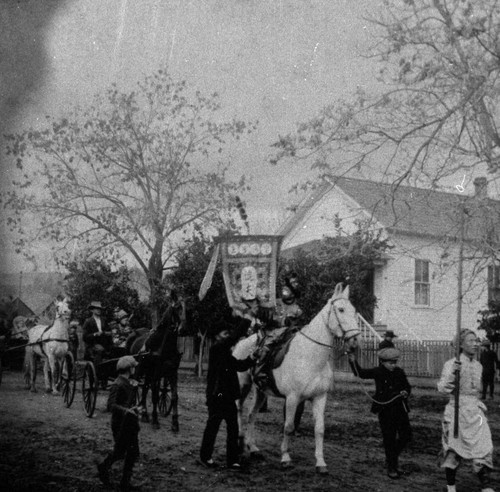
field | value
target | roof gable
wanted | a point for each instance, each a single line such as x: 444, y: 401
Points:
x: 408, y: 210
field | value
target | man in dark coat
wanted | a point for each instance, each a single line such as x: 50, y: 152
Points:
x: 489, y: 361
x: 387, y: 342
x: 222, y: 391
x: 390, y: 403
x: 124, y: 423
x: 96, y: 334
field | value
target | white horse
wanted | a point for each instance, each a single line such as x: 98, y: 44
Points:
x: 51, y: 344
x: 306, y: 372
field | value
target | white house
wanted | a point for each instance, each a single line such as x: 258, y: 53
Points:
x: 416, y: 284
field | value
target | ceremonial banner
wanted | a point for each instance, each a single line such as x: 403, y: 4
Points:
x: 249, y: 266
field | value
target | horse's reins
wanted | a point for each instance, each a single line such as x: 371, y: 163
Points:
x: 327, y: 325
x: 394, y: 398
x: 345, y: 338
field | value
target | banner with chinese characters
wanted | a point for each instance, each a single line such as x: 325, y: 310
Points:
x: 249, y: 267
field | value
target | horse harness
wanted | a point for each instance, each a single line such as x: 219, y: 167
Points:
x: 41, y: 342
x: 345, y: 332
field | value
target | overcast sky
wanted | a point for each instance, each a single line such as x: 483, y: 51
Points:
x: 278, y: 61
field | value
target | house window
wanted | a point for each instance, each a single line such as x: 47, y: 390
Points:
x: 494, y: 283
x: 422, y: 284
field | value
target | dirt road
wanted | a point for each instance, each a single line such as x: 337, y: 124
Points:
x: 47, y: 447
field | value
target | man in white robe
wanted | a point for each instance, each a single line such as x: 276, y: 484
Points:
x: 474, y: 437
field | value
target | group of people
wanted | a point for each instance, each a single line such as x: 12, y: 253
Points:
x: 472, y: 441
x: 389, y: 403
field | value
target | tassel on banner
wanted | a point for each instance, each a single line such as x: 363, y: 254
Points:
x: 209, y: 275
x: 243, y: 213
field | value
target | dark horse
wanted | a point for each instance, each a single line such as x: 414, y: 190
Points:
x: 161, y: 361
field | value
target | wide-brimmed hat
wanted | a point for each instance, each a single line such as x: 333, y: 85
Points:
x: 390, y: 333
x: 389, y: 353
x: 95, y: 305
x: 121, y: 314
x: 125, y: 362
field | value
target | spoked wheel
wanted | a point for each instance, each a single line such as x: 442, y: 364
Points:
x: 68, y: 379
x: 89, y: 388
x: 165, y: 403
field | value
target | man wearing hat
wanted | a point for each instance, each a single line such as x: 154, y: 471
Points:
x: 390, y: 403
x: 96, y: 335
x: 124, y: 423
x: 473, y: 441
x: 387, y: 342
x: 489, y: 361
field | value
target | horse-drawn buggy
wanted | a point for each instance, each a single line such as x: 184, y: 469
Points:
x: 158, y: 363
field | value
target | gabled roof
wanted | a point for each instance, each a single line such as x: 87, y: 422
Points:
x: 406, y: 209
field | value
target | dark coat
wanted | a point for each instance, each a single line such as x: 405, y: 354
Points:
x: 222, y: 378
x: 388, y: 384
x: 489, y: 361
x: 88, y: 330
x: 122, y: 396
x: 385, y: 344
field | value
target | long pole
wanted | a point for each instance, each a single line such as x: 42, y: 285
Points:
x: 459, y: 317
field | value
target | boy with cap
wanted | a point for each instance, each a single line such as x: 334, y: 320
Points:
x: 473, y: 441
x: 389, y: 403
x: 124, y: 423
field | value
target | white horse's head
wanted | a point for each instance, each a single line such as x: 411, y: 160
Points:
x: 62, y: 309
x: 341, y: 316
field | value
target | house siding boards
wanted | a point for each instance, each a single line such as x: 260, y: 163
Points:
x: 416, y: 222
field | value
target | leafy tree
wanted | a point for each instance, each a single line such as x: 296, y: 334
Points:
x: 490, y: 321
x: 130, y: 176
x: 434, y: 112
x: 94, y: 280
x: 346, y: 259
x: 203, y: 316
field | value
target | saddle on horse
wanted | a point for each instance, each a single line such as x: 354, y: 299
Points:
x: 269, y: 354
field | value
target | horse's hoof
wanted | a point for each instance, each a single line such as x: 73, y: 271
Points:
x: 257, y: 456
x: 145, y: 418
x: 155, y: 425
x: 55, y: 392
x: 175, y: 428
x: 286, y: 465
x: 48, y: 390
x: 322, y: 470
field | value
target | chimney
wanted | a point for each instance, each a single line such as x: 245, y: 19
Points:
x: 481, y: 187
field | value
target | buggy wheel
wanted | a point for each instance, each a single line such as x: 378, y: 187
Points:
x: 68, y: 379
x: 89, y: 388
x: 165, y: 403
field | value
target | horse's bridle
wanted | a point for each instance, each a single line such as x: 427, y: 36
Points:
x: 344, y: 332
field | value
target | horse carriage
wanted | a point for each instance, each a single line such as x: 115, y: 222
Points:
x: 92, y: 374
x: 157, y: 369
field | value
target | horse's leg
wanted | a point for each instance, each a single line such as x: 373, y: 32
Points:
x: 290, y: 408
x: 46, y: 375
x: 144, y: 397
x: 155, y: 397
x: 28, y: 353
x: 172, y: 376
x: 240, y: 405
x: 260, y: 398
x: 318, y: 410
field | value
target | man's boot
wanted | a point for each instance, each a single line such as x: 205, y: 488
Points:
x: 484, y: 479
x: 103, y: 472
x: 125, y: 485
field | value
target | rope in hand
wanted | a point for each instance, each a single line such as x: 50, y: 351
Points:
x: 383, y: 403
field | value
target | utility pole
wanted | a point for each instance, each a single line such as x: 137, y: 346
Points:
x: 462, y: 212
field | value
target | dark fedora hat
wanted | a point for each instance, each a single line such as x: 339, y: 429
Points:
x: 390, y: 333
x: 95, y: 305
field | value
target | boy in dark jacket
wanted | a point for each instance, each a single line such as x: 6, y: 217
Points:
x: 223, y: 390
x: 124, y: 423
x: 390, y: 403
